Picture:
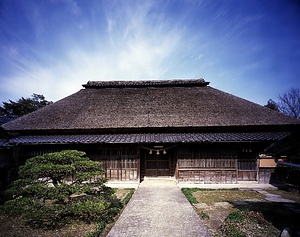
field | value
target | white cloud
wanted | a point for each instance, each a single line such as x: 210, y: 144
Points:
x: 139, y: 41
x: 142, y: 41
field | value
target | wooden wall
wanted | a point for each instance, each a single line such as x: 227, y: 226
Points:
x: 267, y: 167
x: 266, y: 174
x: 215, y: 163
x: 195, y: 163
x: 120, y: 163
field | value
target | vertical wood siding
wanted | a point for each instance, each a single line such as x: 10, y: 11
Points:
x: 247, y: 165
x: 196, y: 163
x: 119, y: 164
x: 207, y: 164
x: 215, y: 163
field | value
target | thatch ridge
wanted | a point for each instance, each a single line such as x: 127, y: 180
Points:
x: 146, y: 83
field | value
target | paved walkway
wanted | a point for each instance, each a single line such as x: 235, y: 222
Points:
x: 158, y: 209
x: 240, y: 185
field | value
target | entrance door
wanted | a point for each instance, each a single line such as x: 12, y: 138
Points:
x: 157, y: 165
x: 247, y: 166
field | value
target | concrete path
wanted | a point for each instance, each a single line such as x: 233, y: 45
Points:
x: 158, y: 209
x: 240, y: 185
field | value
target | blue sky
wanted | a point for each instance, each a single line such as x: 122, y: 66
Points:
x: 249, y: 48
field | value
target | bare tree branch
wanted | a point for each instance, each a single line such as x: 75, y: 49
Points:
x: 289, y: 103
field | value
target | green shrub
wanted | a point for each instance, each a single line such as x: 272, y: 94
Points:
x: 43, y: 196
x: 112, y: 213
x: 18, y: 206
x: 88, y: 210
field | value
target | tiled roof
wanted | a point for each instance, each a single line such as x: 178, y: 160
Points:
x: 150, y: 138
x: 3, y: 143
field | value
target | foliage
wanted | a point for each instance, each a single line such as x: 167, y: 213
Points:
x: 242, y: 223
x: 236, y: 216
x: 59, y: 185
x: 102, y: 222
x: 128, y: 196
x: 23, y: 106
x: 289, y: 103
x: 188, y: 192
x: 272, y: 105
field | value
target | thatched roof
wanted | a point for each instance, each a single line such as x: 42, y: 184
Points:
x: 148, y: 104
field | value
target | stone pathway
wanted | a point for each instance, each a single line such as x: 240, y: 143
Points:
x: 274, y: 197
x: 158, y: 209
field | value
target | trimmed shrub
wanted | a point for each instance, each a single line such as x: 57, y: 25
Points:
x: 57, y: 186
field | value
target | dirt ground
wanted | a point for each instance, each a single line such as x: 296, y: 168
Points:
x: 269, y: 211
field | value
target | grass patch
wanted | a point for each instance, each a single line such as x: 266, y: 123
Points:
x: 188, y: 192
x: 234, y: 212
x: 203, y: 215
x: 128, y: 196
x: 211, y: 196
x: 236, y: 216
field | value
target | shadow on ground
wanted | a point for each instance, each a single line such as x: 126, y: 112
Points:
x: 281, y: 214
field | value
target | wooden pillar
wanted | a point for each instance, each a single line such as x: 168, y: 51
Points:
x: 138, y: 157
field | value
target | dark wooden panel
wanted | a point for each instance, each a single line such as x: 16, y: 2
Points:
x: 119, y: 164
x: 247, y: 175
x: 157, y: 165
x: 157, y: 172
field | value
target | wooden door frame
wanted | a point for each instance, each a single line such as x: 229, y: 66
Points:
x: 159, y: 168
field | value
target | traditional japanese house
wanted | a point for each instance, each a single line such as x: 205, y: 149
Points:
x: 183, y: 129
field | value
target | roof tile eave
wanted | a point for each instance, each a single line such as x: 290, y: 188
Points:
x: 150, y: 138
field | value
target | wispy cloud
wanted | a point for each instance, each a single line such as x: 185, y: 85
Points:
x: 73, y: 7
x: 139, y: 45
x: 142, y: 40
x: 51, y: 47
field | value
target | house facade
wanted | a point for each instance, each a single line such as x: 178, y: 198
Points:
x: 183, y: 129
